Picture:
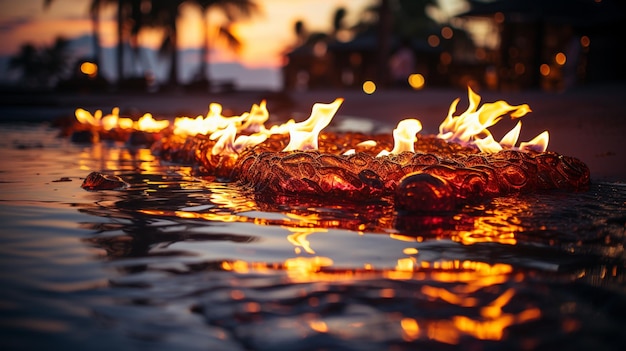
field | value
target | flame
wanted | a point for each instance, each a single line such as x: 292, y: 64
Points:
x: 404, y: 137
x: 539, y: 143
x: 304, y: 135
x: 233, y: 134
x: 148, y: 124
x: 471, y: 126
x: 85, y: 117
x: 213, y: 122
x: 113, y: 120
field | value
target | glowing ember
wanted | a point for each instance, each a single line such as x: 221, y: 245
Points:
x: 424, y: 173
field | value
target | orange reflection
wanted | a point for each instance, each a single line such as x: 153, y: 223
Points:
x: 410, y: 329
x: 450, y: 282
x: 299, y: 238
x: 497, y: 225
x: 318, y: 326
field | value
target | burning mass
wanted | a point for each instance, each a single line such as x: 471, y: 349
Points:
x: 462, y: 163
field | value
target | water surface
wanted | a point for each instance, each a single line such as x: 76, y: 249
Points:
x: 176, y: 262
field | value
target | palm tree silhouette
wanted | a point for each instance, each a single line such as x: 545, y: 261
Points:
x: 135, y: 15
x: 234, y: 10
x: 41, y: 67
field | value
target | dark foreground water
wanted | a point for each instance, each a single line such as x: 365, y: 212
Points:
x: 178, y: 263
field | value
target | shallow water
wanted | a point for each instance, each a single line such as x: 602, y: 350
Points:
x: 179, y: 263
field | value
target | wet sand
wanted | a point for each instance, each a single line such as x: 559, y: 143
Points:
x: 586, y: 122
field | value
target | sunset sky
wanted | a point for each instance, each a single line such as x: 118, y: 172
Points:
x: 265, y: 36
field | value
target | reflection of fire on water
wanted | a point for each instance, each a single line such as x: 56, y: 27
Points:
x: 466, y: 278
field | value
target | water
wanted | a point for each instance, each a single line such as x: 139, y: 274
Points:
x: 179, y: 263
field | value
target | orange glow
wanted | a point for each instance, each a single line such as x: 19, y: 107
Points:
x: 304, y: 135
x: 585, y: 41
x: 445, y: 295
x: 539, y: 143
x: 471, y: 126
x: 404, y: 137
x: 111, y: 120
x: 369, y: 87
x: 446, y: 32
x: 405, y: 265
x: 544, y: 69
x: 472, y: 276
x: 560, y: 58
x: 492, y: 328
x: 433, y: 40
x: 234, y: 134
x: 410, y: 329
x: 299, y: 237
x: 416, y: 81
x: 89, y: 68
x: 410, y: 251
x: 500, y: 226
x: 305, y: 269
x: 318, y: 326
x: 148, y: 124
x: 499, y: 17
x: 443, y: 331
x: 484, y: 330
x: 85, y: 117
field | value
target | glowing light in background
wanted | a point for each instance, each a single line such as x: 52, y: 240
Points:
x: 433, y: 40
x: 544, y: 69
x: 584, y: 41
x: 560, y: 58
x: 499, y: 17
x: 416, y: 81
x: 89, y: 68
x: 369, y: 87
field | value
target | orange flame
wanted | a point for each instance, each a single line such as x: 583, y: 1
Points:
x: 304, y: 135
x: 404, y: 137
x: 235, y: 133
x: 148, y: 124
x: 471, y: 126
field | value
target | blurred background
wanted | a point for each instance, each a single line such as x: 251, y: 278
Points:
x: 284, y: 45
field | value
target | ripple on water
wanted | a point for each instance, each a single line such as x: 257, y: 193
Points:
x: 178, y: 262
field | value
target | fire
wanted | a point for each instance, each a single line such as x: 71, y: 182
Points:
x: 233, y: 134
x: 148, y: 124
x: 470, y: 127
x: 404, y: 137
x: 113, y: 120
x: 304, y: 135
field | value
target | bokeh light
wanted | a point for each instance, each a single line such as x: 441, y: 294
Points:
x: 585, y: 41
x: 447, y: 32
x: 560, y: 58
x: 89, y: 68
x: 416, y: 81
x: 369, y: 87
x: 433, y: 40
